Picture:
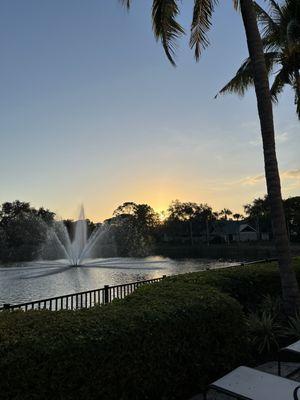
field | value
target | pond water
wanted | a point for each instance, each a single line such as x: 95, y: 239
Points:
x: 41, y: 279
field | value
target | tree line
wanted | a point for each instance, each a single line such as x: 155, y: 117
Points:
x: 134, y: 229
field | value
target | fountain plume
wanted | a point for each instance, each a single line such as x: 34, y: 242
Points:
x: 75, y: 250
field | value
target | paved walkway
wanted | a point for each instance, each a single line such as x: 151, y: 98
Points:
x: 270, y: 367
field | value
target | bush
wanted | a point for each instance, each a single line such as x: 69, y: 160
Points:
x: 166, y: 341
x: 248, y: 284
x: 264, y: 332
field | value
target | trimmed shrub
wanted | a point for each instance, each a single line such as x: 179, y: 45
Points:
x: 248, y: 284
x: 166, y: 341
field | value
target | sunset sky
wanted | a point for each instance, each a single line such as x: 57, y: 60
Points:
x: 91, y: 111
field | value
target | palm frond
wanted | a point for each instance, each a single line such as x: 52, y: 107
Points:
x: 236, y: 4
x: 267, y: 22
x: 201, y: 23
x: 126, y: 3
x: 281, y: 78
x: 297, y: 95
x: 165, y: 26
x: 243, y: 78
x: 275, y: 6
x: 297, y: 102
x: 293, y: 32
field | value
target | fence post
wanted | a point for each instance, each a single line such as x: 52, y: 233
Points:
x: 106, y: 290
x: 6, y: 307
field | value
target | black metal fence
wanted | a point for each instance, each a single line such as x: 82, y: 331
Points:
x: 82, y: 299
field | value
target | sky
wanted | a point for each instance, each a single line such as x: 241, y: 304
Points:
x: 92, y: 112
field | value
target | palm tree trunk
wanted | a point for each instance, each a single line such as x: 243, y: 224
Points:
x: 297, y: 78
x: 290, y: 289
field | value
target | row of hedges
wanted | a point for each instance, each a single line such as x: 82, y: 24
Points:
x: 247, y: 284
x: 160, y: 343
x: 166, y: 341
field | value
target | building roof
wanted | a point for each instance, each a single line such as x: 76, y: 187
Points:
x: 231, y: 227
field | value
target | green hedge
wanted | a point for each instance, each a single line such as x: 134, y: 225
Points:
x: 247, y: 284
x: 163, y: 342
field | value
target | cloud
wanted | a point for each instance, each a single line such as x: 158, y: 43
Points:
x: 280, y: 138
x: 256, y: 142
x: 288, y: 175
x: 252, y: 180
x: 291, y: 174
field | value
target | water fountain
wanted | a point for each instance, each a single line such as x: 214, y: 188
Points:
x: 75, y: 250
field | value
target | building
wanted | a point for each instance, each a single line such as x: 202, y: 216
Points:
x: 233, y: 231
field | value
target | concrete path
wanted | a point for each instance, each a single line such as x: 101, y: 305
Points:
x: 270, y: 367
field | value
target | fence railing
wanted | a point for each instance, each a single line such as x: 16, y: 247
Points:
x: 82, y: 299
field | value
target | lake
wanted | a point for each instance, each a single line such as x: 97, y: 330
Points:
x: 42, y: 279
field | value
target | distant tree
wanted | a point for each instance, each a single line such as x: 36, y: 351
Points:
x: 46, y: 215
x: 237, y: 216
x: 69, y: 224
x: 182, y: 215
x: 132, y: 228
x: 25, y: 235
x: 12, y: 210
x: 216, y: 214
x: 208, y: 217
x: 143, y: 215
x: 225, y: 213
x: 91, y: 226
x: 292, y: 212
x: 259, y: 214
x: 23, y: 230
x: 3, y: 244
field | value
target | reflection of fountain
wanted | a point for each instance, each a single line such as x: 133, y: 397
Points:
x: 80, y: 248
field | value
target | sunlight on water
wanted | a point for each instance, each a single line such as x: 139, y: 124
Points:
x: 42, y: 279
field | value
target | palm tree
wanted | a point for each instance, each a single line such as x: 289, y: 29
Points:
x: 225, y: 213
x: 237, y: 216
x: 280, y: 28
x: 167, y: 29
x: 216, y: 215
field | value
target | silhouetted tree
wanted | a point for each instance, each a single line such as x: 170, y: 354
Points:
x: 132, y: 228
x: 259, y: 214
x: 225, y: 213
x: 23, y: 230
x: 187, y: 216
x: 292, y: 212
x: 237, y: 216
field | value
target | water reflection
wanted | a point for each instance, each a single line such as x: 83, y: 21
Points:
x: 37, y: 280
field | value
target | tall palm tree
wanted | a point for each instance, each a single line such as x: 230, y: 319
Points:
x: 280, y: 29
x: 167, y: 29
